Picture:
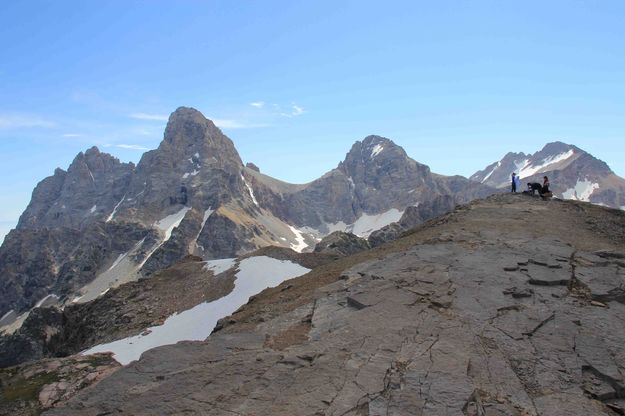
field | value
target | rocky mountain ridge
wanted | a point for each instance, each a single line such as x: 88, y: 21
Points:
x: 573, y: 173
x: 103, y: 222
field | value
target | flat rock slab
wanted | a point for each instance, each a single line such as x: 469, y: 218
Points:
x: 434, y: 330
x: 606, y: 283
x: 545, y: 275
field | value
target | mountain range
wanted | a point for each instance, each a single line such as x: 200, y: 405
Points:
x: 391, y: 289
x: 103, y: 222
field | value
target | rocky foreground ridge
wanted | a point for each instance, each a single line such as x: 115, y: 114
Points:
x: 507, y: 306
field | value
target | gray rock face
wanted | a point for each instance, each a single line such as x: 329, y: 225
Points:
x: 476, y: 314
x: 121, y: 312
x: 37, y: 262
x: 87, y: 192
x: 376, y: 176
x: 573, y: 173
x: 342, y: 244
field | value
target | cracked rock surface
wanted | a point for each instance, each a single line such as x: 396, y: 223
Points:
x: 474, y: 313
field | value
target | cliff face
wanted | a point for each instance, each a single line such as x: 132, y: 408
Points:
x: 506, y: 306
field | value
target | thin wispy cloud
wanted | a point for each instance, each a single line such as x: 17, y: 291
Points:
x: 142, y: 131
x: 258, y: 104
x: 131, y: 146
x: 297, y: 110
x: 70, y: 135
x: 294, y: 111
x: 14, y: 121
x: 234, y: 124
x: 147, y: 116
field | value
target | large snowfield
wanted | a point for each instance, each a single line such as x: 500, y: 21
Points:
x: 582, y: 190
x: 366, y: 224
x: 254, y: 274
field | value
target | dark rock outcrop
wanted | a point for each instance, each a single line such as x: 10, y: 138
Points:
x: 252, y: 166
x: 125, y: 311
x: 342, y: 244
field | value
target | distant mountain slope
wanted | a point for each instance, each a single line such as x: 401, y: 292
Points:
x: 102, y: 222
x: 573, y: 173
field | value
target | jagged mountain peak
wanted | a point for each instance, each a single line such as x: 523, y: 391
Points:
x: 559, y: 146
x: 373, y: 154
x: 95, y: 159
x: 372, y: 146
x: 557, y: 149
x: 188, y: 124
x: 189, y: 135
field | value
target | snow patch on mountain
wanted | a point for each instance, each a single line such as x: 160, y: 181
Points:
x: 250, y: 190
x: 219, y: 266
x: 187, y: 174
x: 254, y: 274
x: 529, y: 170
x: 299, y: 244
x: 491, y: 172
x: 376, y: 150
x: 123, y: 270
x: 366, y: 224
x: 582, y: 190
x: 118, y: 260
x: 110, y: 217
x: 93, y: 208
x: 207, y: 214
x: 170, y: 222
x: 49, y: 300
x: 11, y: 322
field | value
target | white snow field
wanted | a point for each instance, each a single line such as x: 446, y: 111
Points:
x: 254, y: 274
x: 110, y: 217
x: 299, y: 244
x: 250, y: 190
x: 530, y: 170
x: 366, y: 224
x: 376, y: 150
x: 170, y: 222
x: 219, y: 266
x: 582, y: 191
x: 491, y: 172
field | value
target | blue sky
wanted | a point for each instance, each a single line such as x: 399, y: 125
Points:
x: 456, y: 83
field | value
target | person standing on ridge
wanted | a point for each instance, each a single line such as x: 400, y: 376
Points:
x: 545, y: 185
x: 517, y: 183
x: 513, y: 182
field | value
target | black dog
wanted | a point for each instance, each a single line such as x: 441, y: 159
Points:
x: 534, y: 187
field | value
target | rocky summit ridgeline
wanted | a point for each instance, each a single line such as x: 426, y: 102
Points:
x: 506, y: 306
x: 102, y: 223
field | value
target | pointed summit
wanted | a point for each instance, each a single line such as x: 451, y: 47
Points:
x: 191, y: 135
x: 375, y: 157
